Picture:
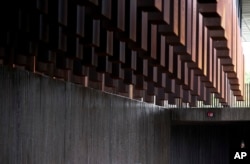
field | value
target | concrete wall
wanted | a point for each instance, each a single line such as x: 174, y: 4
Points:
x: 45, y: 121
x: 200, y: 144
x: 208, y: 143
x: 219, y: 115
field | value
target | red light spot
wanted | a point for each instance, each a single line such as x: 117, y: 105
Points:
x: 210, y: 114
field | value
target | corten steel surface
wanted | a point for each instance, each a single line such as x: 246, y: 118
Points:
x: 164, y: 49
x: 46, y: 121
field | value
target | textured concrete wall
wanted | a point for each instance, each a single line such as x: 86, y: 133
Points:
x: 45, y: 121
x: 219, y: 115
x: 200, y: 144
x: 208, y: 143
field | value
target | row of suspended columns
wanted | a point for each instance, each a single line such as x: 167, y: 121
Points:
x: 174, y: 51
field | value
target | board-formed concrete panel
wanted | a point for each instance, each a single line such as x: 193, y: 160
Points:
x: 43, y: 120
x: 211, y: 115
